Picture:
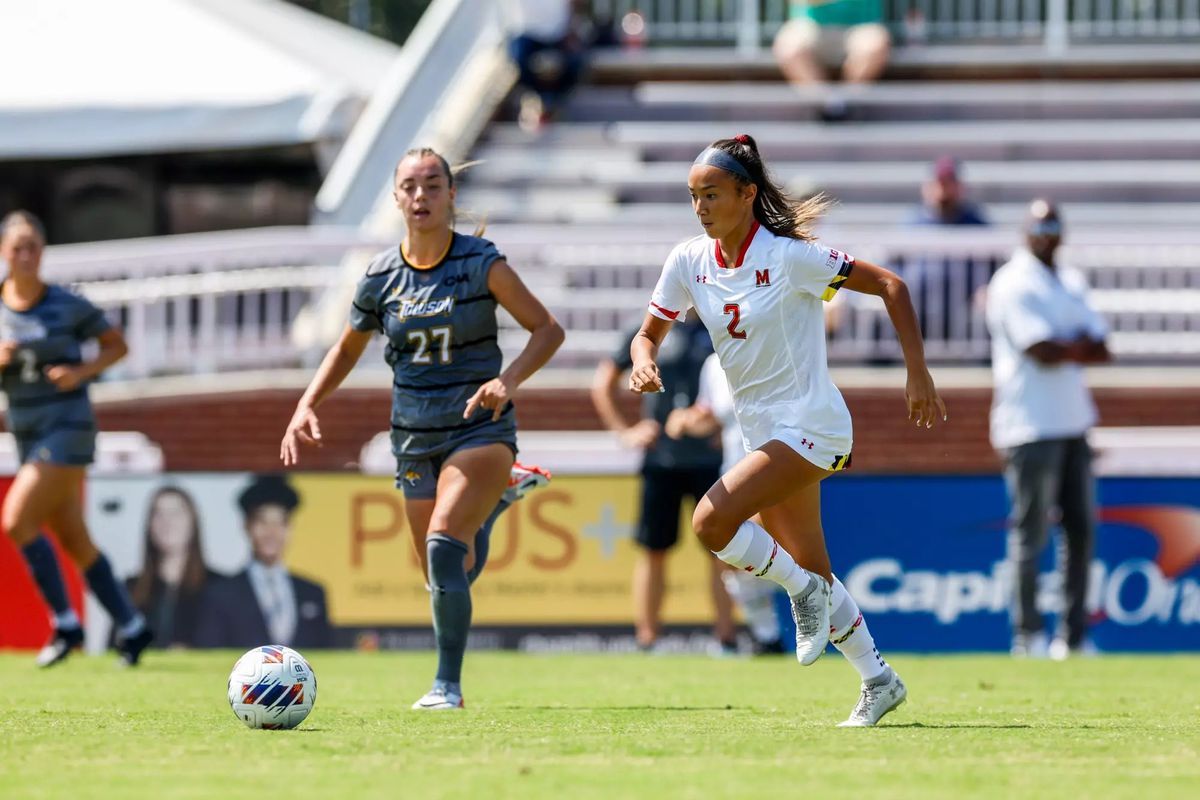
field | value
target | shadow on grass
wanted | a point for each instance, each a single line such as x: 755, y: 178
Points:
x: 940, y: 725
x: 615, y: 708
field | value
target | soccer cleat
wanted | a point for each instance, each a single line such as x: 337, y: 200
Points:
x: 439, y: 699
x: 130, y: 648
x: 1029, y: 645
x: 522, y: 480
x: 810, y: 610
x: 879, y: 696
x: 772, y: 647
x: 60, y: 646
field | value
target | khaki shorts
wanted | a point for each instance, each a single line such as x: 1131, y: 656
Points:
x: 831, y: 44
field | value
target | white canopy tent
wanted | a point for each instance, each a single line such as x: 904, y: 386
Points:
x: 82, y: 78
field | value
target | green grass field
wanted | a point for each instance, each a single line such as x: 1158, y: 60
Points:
x: 608, y: 726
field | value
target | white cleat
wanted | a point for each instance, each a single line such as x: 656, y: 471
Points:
x: 524, y: 479
x: 439, y: 699
x: 878, y: 697
x: 810, y: 610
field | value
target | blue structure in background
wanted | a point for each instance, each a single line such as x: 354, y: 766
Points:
x: 924, y: 558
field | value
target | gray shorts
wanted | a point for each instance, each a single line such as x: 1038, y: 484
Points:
x: 418, y: 477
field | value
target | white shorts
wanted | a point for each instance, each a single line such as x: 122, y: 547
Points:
x: 828, y: 453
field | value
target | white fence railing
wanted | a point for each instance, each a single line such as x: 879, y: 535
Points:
x: 217, y: 303
x: 750, y: 23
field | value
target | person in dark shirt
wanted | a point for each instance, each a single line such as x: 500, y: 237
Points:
x: 45, y: 378
x: 265, y: 602
x: 672, y: 469
x: 171, y: 582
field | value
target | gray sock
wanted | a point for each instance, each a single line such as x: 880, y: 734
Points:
x: 483, y: 541
x: 451, y: 598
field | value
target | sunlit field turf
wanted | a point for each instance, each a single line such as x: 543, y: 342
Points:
x: 608, y: 727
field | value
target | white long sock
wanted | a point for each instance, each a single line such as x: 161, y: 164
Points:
x: 754, y: 550
x: 754, y: 597
x: 849, y: 634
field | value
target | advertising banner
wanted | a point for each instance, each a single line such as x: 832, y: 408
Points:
x: 236, y: 559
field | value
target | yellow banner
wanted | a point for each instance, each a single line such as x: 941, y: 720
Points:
x: 563, y: 555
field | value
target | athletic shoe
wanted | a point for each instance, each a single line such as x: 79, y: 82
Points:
x: 1029, y: 645
x: 773, y: 647
x: 879, y: 696
x: 810, y: 610
x: 1059, y: 650
x: 130, y: 648
x: 60, y: 646
x: 522, y: 480
x: 439, y: 699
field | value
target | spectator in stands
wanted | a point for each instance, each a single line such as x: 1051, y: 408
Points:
x: 1043, y: 330
x: 548, y: 53
x: 828, y: 33
x: 168, y: 589
x: 672, y: 469
x: 264, y: 603
x: 943, y: 198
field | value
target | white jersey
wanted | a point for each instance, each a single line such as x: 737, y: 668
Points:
x: 714, y: 394
x: 767, y: 325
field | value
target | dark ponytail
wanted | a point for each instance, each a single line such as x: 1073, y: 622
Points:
x: 773, y: 208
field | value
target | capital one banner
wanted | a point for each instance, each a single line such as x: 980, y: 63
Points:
x: 924, y: 558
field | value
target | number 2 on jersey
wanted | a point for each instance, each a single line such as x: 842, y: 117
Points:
x: 29, y: 370
x: 732, y: 327
x: 421, y: 338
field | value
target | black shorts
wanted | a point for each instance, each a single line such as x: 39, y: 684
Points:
x: 663, y: 491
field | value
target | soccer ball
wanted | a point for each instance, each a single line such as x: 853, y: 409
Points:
x: 272, y: 687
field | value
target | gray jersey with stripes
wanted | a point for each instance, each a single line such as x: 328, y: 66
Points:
x: 440, y: 326
x: 49, y: 333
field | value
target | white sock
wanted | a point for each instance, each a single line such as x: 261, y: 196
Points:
x: 849, y: 634
x: 754, y: 550
x: 754, y: 597
x: 66, y: 620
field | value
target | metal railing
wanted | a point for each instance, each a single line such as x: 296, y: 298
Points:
x: 751, y: 23
x: 215, y: 303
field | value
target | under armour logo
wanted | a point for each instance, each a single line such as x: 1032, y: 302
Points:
x: 806, y: 442
x: 701, y: 279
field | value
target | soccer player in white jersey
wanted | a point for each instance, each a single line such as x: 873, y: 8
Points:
x: 757, y: 278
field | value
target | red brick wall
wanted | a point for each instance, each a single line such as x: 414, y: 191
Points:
x: 242, y: 431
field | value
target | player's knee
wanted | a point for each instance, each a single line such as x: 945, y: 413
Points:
x: 712, y: 529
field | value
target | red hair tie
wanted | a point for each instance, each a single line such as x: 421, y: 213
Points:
x: 742, y: 138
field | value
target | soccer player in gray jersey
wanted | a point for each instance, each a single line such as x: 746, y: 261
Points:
x: 434, y: 299
x: 45, y: 379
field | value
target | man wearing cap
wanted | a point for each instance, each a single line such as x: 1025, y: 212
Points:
x: 264, y: 603
x: 1043, y: 330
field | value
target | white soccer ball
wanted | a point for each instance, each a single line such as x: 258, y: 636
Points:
x: 272, y: 688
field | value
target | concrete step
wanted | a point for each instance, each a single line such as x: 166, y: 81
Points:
x: 928, y: 100
x: 892, y: 182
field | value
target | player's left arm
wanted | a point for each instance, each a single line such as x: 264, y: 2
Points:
x: 70, y: 376
x: 545, y: 337
x: 924, y: 404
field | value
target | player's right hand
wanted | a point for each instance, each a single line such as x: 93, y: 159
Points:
x: 645, y: 378
x: 7, y: 351
x: 302, y: 429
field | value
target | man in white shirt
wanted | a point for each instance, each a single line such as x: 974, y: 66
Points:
x: 1043, y: 331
